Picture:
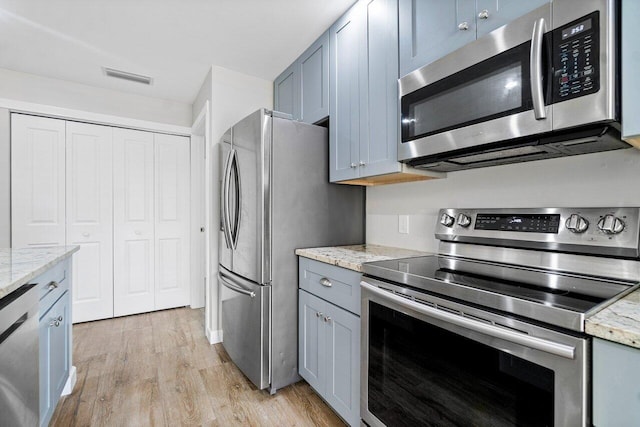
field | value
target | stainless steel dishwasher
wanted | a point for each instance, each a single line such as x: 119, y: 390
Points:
x: 19, y: 394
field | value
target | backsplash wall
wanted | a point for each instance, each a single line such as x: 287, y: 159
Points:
x: 601, y: 179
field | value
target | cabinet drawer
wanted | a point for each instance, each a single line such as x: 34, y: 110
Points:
x: 337, y: 285
x: 49, y: 293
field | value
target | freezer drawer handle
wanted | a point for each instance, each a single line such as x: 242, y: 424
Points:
x: 326, y: 282
x: 235, y: 287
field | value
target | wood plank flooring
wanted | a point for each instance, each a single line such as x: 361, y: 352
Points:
x: 157, y: 369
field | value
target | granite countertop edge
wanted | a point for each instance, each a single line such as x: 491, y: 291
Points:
x: 352, y: 257
x: 618, y: 322
x: 31, y: 270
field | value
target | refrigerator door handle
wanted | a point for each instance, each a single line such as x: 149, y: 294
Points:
x: 236, y: 176
x: 228, y: 282
x: 225, y: 200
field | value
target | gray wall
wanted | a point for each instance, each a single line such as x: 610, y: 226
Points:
x: 5, y: 179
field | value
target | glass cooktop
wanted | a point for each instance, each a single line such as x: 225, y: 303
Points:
x: 555, y: 298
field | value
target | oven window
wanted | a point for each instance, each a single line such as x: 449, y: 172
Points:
x: 496, y: 87
x: 420, y: 374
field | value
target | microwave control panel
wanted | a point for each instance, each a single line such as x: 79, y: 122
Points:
x: 576, y: 53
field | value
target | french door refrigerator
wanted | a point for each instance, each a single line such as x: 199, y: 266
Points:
x: 275, y: 197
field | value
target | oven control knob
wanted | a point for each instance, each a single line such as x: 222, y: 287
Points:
x: 464, y: 220
x: 447, y: 220
x: 611, y: 224
x: 576, y: 224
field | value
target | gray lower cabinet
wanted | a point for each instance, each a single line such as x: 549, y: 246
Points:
x: 302, y: 90
x: 616, y: 384
x: 329, y: 338
x: 430, y: 29
x: 55, y: 337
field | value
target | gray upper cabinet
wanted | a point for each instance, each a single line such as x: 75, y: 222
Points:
x: 302, y: 90
x: 314, y: 81
x: 430, y: 29
x: 492, y: 14
x: 286, y: 92
x: 364, y: 91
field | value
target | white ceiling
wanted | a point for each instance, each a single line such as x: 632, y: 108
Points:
x: 173, y: 41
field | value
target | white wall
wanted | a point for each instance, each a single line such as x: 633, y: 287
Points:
x: 600, y: 179
x: 59, y: 93
x: 5, y: 179
x: 232, y: 96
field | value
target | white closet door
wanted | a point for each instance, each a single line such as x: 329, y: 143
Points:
x: 90, y: 219
x: 37, y: 181
x: 172, y: 221
x: 133, y: 218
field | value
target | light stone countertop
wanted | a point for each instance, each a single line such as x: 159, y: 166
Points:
x: 18, y: 266
x: 619, y: 322
x: 352, y: 257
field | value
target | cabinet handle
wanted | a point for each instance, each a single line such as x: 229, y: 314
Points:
x: 326, y: 282
x: 59, y: 318
x: 54, y: 322
x: 318, y: 314
x: 463, y: 26
x: 353, y: 165
x: 327, y: 319
x: 484, y: 14
x: 137, y: 232
x: 86, y: 234
x: 362, y: 163
x: 52, y: 285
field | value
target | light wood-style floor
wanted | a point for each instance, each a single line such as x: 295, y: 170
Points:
x: 157, y: 369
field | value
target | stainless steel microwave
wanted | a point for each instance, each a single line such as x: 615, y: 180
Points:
x: 545, y: 85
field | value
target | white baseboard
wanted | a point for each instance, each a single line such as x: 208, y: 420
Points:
x: 71, y: 382
x: 214, y: 337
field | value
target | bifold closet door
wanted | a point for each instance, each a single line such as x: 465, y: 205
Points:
x: 172, y: 221
x: 89, y: 218
x: 133, y: 219
x: 37, y: 181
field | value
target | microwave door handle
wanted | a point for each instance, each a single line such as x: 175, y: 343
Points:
x: 535, y: 66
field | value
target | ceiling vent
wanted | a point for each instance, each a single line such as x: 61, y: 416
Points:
x: 138, y: 78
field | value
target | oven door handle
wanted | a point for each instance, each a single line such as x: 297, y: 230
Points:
x: 541, y: 344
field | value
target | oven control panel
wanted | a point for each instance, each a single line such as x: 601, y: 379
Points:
x: 605, y: 231
x: 576, y: 59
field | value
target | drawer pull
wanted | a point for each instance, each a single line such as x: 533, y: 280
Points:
x: 55, y: 322
x: 325, y: 282
x: 327, y: 319
x: 52, y: 285
x: 318, y: 314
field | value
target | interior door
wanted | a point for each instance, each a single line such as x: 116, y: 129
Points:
x: 90, y: 218
x: 37, y: 181
x: 133, y: 218
x: 171, y: 221
x: 248, y: 200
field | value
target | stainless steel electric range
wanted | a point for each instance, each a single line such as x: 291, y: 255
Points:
x: 490, y: 331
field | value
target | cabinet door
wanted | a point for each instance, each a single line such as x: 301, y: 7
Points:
x: 37, y: 181
x: 429, y: 30
x: 171, y: 221
x: 90, y: 218
x: 347, y: 50
x: 54, y: 344
x: 343, y: 362
x: 313, y: 66
x: 286, y: 92
x: 492, y: 14
x: 311, y: 340
x: 379, y: 141
x: 133, y: 218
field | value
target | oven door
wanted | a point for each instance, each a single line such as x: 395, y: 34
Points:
x: 430, y: 361
x: 493, y: 89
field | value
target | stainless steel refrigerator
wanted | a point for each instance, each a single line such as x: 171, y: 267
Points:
x: 275, y: 197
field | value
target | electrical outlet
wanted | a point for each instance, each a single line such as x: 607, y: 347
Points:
x: 403, y: 224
